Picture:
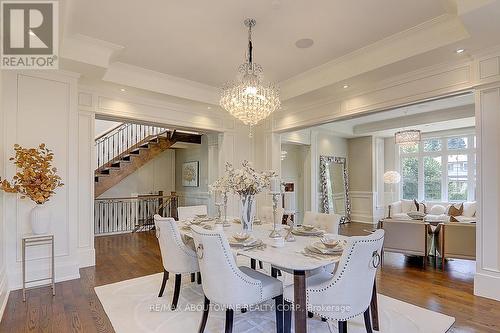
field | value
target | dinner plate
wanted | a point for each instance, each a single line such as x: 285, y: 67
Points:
x: 319, y: 246
x: 302, y: 232
x: 249, y: 242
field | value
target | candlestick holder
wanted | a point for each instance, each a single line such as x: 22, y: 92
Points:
x: 275, y: 233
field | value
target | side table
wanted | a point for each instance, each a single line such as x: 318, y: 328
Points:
x: 36, y: 240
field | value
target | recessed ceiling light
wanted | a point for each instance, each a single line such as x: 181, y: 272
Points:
x: 346, y: 86
x: 209, y: 107
x: 304, y: 43
x: 458, y: 51
x: 123, y: 89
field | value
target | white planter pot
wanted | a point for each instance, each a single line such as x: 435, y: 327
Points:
x: 40, y: 219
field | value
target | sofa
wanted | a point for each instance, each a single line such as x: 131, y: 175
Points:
x: 436, y: 211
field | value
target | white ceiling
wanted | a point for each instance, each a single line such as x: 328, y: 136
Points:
x: 205, y: 41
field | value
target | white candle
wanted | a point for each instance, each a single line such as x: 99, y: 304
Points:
x: 275, y: 184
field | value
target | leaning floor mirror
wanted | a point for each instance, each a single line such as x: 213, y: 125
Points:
x: 334, y: 187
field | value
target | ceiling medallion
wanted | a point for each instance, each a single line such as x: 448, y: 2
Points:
x: 248, y: 98
x: 408, y: 138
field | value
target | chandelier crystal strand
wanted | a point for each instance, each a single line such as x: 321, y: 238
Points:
x: 408, y: 138
x: 249, y: 99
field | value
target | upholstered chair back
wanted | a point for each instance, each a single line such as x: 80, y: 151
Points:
x: 328, y: 222
x: 190, y: 212
x: 223, y: 282
x: 266, y: 214
x: 352, y: 284
x: 176, y: 256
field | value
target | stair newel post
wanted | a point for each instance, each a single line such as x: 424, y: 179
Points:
x: 173, y: 205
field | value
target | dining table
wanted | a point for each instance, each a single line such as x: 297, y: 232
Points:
x: 291, y: 257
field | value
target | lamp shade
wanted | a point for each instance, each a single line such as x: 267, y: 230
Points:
x: 392, y: 177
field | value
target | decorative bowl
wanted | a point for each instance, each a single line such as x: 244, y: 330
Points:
x: 241, y: 236
x: 416, y: 215
x: 330, y: 242
x: 308, y: 227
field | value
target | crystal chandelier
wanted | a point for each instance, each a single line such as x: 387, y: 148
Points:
x: 249, y: 99
x: 408, y: 138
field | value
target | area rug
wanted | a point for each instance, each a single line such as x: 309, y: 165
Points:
x: 133, y: 306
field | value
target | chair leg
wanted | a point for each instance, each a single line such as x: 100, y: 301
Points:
x: 261, y: 265
x: 310, y: 314
x: 274, y: 272
x: 279, y: 273
x: 206, y: 309
x: 278, y: 304
x: 342, y: 326
x: 287, y: 316
x: 193, y: 277
x: 164, y: 282
x: 253, y: 263
x: 177, y: 290
x: 229, y: 321
x: 374, y: 306
x: 198, y: 277
x: 368, y: 321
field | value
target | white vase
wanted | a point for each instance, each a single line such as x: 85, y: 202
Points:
x: 40, y: 219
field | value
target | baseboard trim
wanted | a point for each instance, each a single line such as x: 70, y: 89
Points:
x: 487, y: 286
x: 86, y: 257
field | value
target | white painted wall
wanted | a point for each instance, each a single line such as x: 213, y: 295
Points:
x: 102, y: 126
x: 42, y: 107
x: 487, y: 278
x: 193, y: 195
x: 4, y: 288
x: 293, y: 170
x: 156, y: 175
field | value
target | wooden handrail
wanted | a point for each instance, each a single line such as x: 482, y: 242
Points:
x: 152, y: 196
x: 109, y: 131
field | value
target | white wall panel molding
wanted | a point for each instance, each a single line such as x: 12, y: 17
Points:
x: 487, y: 278
x: 4, y: 290
x: 42, y: 107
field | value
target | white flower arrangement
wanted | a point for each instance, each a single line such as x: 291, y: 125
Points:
x: 244, y: 181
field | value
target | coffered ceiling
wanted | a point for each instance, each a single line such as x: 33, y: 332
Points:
x: 187, y: 49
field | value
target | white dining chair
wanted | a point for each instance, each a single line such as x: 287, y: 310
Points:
x: 229, y: 286
x: 348, y: 292
x: 190, y: 212
x: 176, y: 256
x: 266, y: 214
x: 328, y: 222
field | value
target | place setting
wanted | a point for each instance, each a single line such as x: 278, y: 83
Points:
x: 245, y: 241
x: 308, y: 230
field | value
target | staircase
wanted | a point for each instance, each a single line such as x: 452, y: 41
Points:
x: 126, y: 148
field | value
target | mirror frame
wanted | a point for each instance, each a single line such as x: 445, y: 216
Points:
x: 323, y: 162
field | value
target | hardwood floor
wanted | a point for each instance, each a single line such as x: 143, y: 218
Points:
x: 76, y: 308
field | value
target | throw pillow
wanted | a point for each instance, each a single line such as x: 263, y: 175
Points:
x: 454, y: 211
x: 437, y: 210
x: 407, y: 206
x: 469, y: 209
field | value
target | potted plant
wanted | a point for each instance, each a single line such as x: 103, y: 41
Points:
x: 35, y: 179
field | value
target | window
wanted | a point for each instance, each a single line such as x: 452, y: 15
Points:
x: 439, y: 169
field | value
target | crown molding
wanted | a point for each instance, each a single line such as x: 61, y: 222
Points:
x: 443, y: 30
x: 89, y: 50
x: 138, y: 77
